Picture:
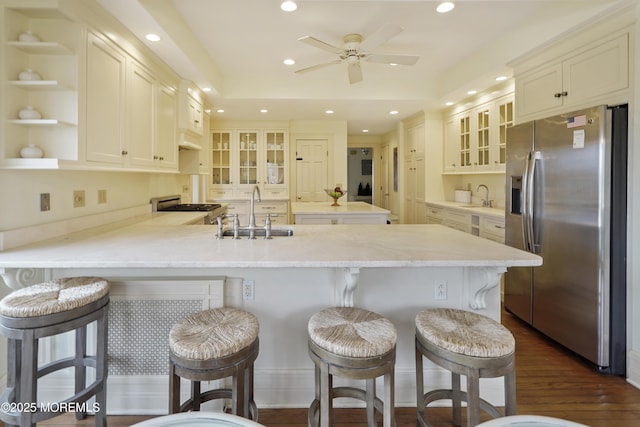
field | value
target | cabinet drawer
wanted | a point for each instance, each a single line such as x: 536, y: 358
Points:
x: 265, y: 207
x: 217, y: 194
x: 435, y: 212
x: 492, y: 228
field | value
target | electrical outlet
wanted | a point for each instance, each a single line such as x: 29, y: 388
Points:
x: 102, y: 197
x: 440, y: 290
x: 78, y: 198
x: 248, y: 290
x: 45, y: 201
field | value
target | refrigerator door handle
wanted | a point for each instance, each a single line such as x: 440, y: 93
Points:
x: 525, y: 204
x: 529, y: 204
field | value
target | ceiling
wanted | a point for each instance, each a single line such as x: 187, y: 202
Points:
x: 237, y: 48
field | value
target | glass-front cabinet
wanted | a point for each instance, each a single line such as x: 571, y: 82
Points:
x: 243, y: 158
x: 248, y: 157
x: 476, y: 137
x: 505, y: 121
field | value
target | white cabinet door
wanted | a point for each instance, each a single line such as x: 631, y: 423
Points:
x: 540, y: 90
x: 166, y: 143
x: 105, y: 101
x: 140, y: 116
x: 598, y: 71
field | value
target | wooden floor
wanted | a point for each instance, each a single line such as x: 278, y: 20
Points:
x: 550, y: 381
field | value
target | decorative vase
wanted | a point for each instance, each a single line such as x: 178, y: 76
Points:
x: 29, y: 37
x: 28, y: 75
x: 29, y: 113
x: 31, y: 151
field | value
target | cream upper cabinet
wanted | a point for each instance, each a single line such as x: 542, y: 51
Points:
x: 191, y: 114
x: 103, y: 105
x: 475, y: 139
x: 139, y: 118
x: 105, y: 101
x: 130, y: 114
x: 166, y: 143
x: 583, y: 77
x: 244, y: 158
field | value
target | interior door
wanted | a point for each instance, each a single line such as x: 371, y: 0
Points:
x: 311, y: 170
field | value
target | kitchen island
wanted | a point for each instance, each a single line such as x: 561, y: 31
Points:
x: 163, y: 272
x: 345, y: 213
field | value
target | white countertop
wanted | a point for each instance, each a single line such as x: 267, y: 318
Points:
x: 467, y: 207
x: 146, y: 244
x: 345, y: 208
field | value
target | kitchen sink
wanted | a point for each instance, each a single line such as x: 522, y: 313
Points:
x: 260, y: 232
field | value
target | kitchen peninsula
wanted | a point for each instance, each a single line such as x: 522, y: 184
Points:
x: 162, y: 272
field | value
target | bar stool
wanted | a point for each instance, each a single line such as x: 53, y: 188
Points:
x: 468, y: 344
x: 211, y: 345
x: 44, y: 310
x: 355, y: 344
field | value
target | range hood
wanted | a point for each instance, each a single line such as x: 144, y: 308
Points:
x: 188, y: 142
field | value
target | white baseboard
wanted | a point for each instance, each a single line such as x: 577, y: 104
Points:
x: 633, y: 368
x: 148, y: 395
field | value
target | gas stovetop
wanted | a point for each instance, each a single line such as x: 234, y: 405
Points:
x: 172, y: 204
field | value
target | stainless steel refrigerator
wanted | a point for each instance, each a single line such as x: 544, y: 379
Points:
x: 567, y: 202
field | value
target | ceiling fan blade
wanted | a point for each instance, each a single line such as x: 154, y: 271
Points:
x: 355, y: 72
x: 318, y: 66
x: 321, y: 45
x: 379, y: 37
x: 393, y: 59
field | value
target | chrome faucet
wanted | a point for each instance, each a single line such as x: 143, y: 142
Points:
x: 485, y: 202
x: 252, y: 215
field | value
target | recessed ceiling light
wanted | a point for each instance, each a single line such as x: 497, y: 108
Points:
x: 329, y: 112
x: 393, y: 112
x: 445, y: 7
x: 208, y: 110
x: 501, y: 78
x: 472, y: 92
x: 448, y: 103
x: 206, y: 89
x: 152, y: 37
x: 393, y: 64
x: 219, y: 110
x: 288, y: 6
x: 365, y: 130
x: 264, y: 110
x: 288, y: 61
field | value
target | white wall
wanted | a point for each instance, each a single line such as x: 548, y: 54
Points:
x: 20, y: 192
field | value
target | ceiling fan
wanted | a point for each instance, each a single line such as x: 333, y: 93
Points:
x: 357, y: 49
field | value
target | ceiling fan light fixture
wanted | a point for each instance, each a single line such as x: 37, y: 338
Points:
x: 445, y: 7
x: 288, y: 6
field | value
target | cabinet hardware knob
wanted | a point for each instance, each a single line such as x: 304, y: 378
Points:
x: 565, y: 93
x: 557, y: 95
x: 155, y: 157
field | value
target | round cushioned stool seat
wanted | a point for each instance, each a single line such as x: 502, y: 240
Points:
x: 355, y: 344
x: 211, y: 345
x: 465, y: 332
x: 53, y: 297
x: 465, y: 343
x: 352, y: 332
x: 48, y: 309
x: 212, y: 334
